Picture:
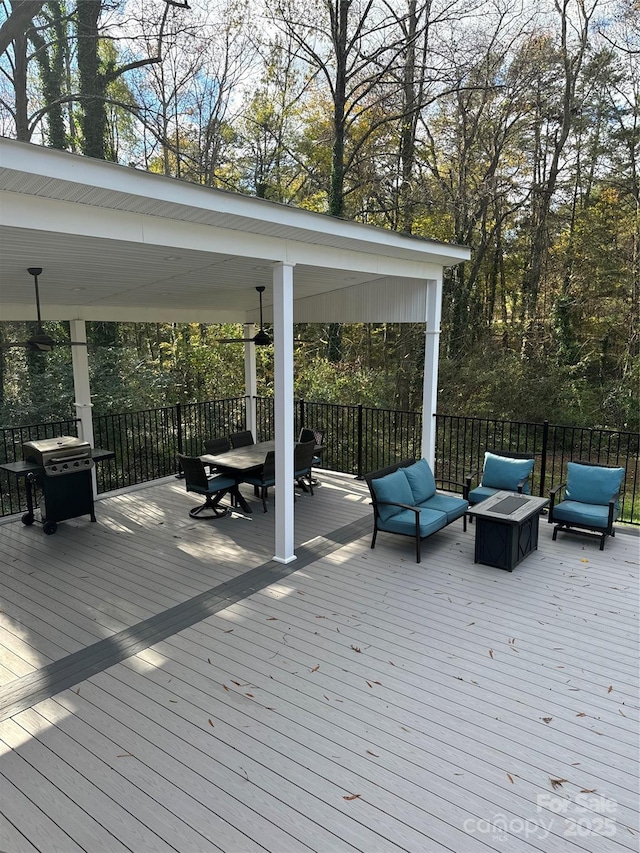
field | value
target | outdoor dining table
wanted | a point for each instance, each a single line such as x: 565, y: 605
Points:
x: 242, y: 461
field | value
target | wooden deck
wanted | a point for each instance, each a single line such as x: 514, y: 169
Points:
x: 351, y: 701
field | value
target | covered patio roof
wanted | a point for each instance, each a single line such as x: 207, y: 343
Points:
x: 116, y: 243
x: 119, y: 244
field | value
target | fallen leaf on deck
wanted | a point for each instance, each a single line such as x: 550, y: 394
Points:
x: 237, y: 683
x: 470, y: 624
x: 584, y: 560
x: 352, y: 797
x: 490, y: 653
x: 356, y: 649
x: 225, y: 687
x: 250, y: 695
x: 208, y: 660
x: 588, y: 790
x: 372, y: 753
x: 392, y: 663
x: 272, y: 618
x: 228, y: 631
x: 369, y: 683
x: 557, y: 783
x: 510, y: 778
x: 316, y: 668
x: 581, y: 714
x: 211, y: 723
x: 173, y: 700
x: 610, y: 688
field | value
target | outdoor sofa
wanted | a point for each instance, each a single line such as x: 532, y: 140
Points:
x: 405, y: 501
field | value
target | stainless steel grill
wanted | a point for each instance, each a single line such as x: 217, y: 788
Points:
x: 59, y: 456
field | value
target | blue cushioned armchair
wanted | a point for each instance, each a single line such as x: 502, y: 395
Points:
x: 405, y: 501
x: 502, y: 471
x: 588, y: 502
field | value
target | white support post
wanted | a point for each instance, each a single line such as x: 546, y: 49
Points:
x: 283, y: 381
x: 250, y: 381
x: 430, y: 378
x: 81, y: 386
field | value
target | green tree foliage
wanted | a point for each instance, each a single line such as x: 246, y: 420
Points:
x: 513, y: 130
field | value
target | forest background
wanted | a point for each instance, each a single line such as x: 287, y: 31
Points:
x: 509, y: 127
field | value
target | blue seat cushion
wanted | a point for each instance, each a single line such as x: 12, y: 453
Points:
x: 589, y: 484
x: 502, y: 472
x: 258, y: 481
x: 480, y: 493
x: 590, y: 515
x: 421, y: 480
x: 393, y: 487
x: 452, y: 506
x: 217, y: 484
x: 405, y: 522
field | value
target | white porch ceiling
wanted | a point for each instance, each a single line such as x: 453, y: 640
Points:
x: 118, y: 244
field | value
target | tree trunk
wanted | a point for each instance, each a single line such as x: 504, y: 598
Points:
x: 93, y: 122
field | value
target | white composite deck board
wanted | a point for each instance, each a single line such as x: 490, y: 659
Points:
x: 390, y: 714
x: 303, y: 723
x: 229, y: 798
x: 470, y: 778
x: 31, y: 821
x: 302, y: 785
x: 480, y: 689
x: 498, y: 596
x: 51, y: 799
x: 450, y: 737
x: 102, y: 789
x: 440, y: 619
x: 156, y: 802
x: 116, y: 829
x: 519, y: 666
x: 13, y: 840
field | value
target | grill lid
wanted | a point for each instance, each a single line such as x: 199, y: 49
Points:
x: 48, y: 449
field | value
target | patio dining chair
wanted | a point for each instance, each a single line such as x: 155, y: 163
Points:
x: 213, y: 487
x: 217, y: 445
x: 315, y: 435
x: 265, y: 479
x: 303, y: 456
x: 241, y: 439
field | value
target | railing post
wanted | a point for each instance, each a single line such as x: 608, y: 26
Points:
x: 179, y: 436
x: 302, y: 414
x: 543, y: 460
x: 359, y: 475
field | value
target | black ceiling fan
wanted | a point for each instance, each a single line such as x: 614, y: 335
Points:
x: 40, y: 341
x: 260, y: 339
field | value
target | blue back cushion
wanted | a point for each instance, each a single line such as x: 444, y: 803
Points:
x: 501, y: 472
x: 394, y: 487
x: 421, y: 480
x: 589, y: 484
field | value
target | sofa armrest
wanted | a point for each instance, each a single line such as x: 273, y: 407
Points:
x: 466, y: 486
x: 376, y: 504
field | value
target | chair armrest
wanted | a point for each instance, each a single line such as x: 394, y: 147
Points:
x: 612, y: 509
x: 521, y: 484
x: 463, y: 486
x: 553, y: 494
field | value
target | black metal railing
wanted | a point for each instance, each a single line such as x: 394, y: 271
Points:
x: 357, y: 439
